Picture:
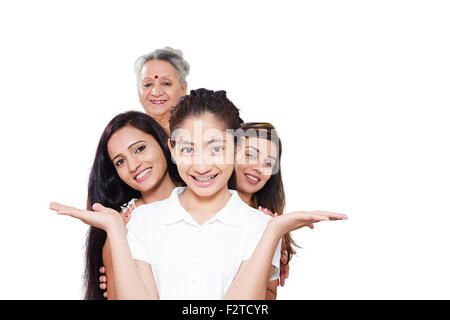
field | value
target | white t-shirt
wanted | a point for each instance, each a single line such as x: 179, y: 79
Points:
x: 192, y: 261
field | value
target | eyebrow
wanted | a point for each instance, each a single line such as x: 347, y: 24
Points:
x: 257, y: 150
x: 128, y: 148
x: 215, y: 140
x: 209, y: 142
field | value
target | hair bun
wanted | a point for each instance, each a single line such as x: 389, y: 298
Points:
x: 205, y: 93
x: 221, y: 94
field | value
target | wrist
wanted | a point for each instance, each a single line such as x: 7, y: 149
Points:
x: 274, y: 229
x: 116, y: 226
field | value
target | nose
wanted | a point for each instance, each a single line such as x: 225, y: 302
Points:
x: 258, y: 168
x: 201, y: 168
x: 201, y: 164
x: 156, y: 90
x: 133, y: 164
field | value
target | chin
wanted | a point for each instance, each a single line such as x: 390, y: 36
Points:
x: 148, y: 185
x: 159, y: 110
x: 204, y: 191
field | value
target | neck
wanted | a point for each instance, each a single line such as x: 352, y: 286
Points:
x: 159, y: 192
x: 246, y: 197
x: 204, y: 208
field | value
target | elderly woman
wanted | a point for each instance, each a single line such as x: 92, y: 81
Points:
x: 161, y: 81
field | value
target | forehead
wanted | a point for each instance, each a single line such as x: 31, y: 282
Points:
x: 202, y: 128
x: 266, y: 147
x: 157, y: 67
x: 124, y: 137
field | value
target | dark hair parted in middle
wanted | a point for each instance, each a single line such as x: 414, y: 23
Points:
x: 202, y: 100
x: 106, y: 187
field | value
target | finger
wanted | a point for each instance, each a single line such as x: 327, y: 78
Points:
x: 69, y: 211
x: 102, y: 286
x: 57, y: 206
x: 331, y: 215
x: 102, y: 279
x: 102, y: 269
x: 105, y: 294
x: 316, y: 218
x: 98, y: 207
x: 286, y: 275
x: 311, y: 226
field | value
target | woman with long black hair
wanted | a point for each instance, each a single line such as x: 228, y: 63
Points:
x: 115, y: 183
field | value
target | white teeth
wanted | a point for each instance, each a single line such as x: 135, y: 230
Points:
x: 252, y: 178
x: 204, y: 179
x: 143, y: 173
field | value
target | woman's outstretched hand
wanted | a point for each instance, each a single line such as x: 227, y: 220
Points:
x: 295, y: 220
x: 102, y: 217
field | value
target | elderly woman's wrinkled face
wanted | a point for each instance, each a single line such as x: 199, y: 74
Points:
x: 159, y: 88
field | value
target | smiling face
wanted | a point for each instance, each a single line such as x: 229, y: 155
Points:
x: 254, y: 164
x: 204, y: 153
x: 137, y: 157
x: 159, y: 88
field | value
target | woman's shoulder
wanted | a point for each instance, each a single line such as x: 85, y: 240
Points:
x: 251, y: 215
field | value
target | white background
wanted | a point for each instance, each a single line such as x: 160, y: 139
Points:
x: 359, y: 91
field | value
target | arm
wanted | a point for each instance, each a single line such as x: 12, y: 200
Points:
x: 251, y: 279
x: 250, y: 282
x: 128, y: 277
x: 107, y: 260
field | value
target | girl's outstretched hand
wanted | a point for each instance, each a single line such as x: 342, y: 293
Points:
x: 102, y: 217
x: 295, y: 220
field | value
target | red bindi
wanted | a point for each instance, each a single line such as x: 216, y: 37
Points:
x: 156, y: 77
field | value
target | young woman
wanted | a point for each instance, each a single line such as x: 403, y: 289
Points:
x: 132, y: 161
x: 201, y: 228
x: 259, y: 182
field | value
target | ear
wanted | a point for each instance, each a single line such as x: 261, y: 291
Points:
x: 185, y: 88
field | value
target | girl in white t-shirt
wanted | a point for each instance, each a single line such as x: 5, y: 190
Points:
x: 204, y: 150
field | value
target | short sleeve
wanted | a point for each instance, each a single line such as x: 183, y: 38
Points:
x: 253, y: 242
x: 137, y: 239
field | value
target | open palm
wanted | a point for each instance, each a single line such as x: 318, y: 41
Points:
x: 295, y: 220
x: 102, y: 217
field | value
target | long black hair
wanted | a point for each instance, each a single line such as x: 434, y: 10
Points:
x: 106, y: 187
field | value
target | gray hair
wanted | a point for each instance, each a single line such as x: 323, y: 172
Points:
x: 173, y: 56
